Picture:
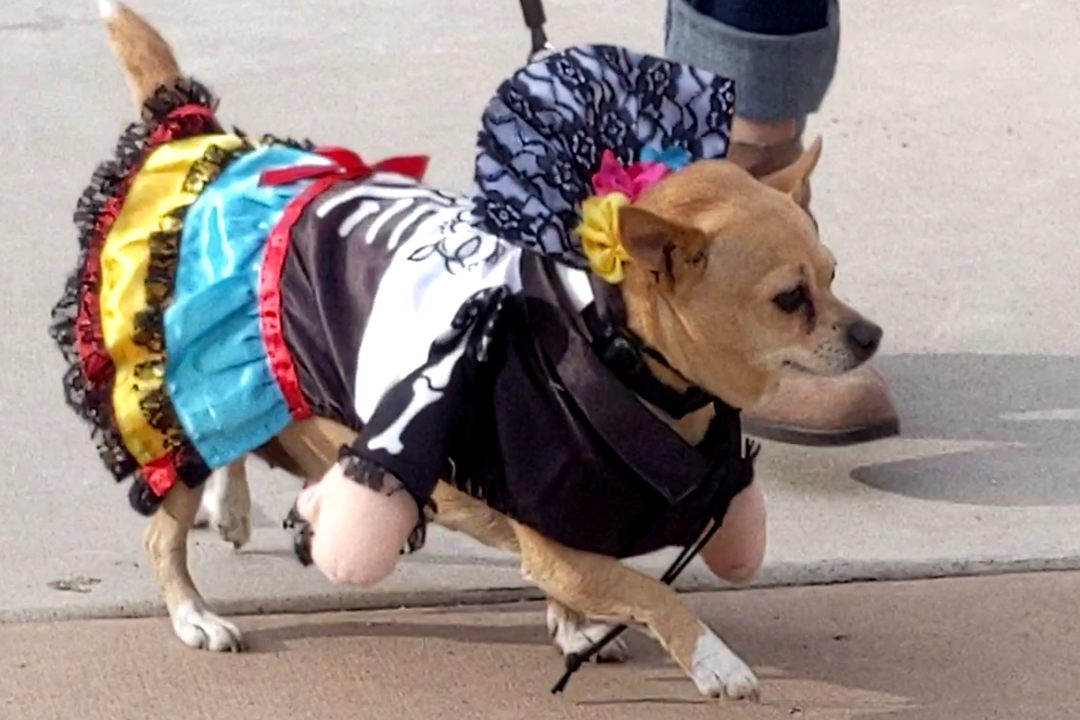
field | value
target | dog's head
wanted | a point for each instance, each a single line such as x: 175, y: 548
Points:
x: 727, y: 278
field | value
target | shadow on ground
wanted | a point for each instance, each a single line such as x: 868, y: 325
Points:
x: 1029, y: 402
x: 870, y: 650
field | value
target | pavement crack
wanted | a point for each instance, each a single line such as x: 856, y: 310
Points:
x: 42, y: 23
x: 77, y: 584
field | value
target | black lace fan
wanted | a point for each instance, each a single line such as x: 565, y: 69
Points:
x: 543, y: 134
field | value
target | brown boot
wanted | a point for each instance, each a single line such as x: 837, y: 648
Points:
x: 809, y: 410
x: 851, y: 408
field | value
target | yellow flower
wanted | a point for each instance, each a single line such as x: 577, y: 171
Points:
x: 599, y: 232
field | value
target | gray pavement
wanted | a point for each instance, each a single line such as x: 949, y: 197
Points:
x: 958, y: 649
x: 947, y: 190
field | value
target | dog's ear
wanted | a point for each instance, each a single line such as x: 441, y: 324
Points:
x: 669, y: 250
x: 794, y: 180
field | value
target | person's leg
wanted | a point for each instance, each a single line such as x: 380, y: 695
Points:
x: 782, y: 56
x: 780, y: 53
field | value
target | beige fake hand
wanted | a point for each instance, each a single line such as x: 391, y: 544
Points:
x: 358, y: 533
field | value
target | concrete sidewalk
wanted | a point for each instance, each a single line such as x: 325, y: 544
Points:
x: 947, y: 190
x: 958, y: 649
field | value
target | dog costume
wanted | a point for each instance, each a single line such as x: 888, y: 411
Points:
x: 228, y: 287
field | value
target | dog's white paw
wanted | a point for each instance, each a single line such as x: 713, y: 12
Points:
x: 571, y: 635
x: 226, y: 506
x: 198, y: 627
x: 719, y: 672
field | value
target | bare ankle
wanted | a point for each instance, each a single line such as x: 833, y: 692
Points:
x: 762, y: 147
x: 763, y: 133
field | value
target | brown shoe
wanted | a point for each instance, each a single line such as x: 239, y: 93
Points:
x: 843, y: 410
x: 809, y: 410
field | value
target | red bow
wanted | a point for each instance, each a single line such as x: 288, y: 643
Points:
x: 347, y: 165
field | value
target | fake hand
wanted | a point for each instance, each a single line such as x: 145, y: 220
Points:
x: 358, y: 533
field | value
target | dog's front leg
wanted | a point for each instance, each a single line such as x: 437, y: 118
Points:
x: 603, y: 588
x: 165, y: 541
x: 569, y: 630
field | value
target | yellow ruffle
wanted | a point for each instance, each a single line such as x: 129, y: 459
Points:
x: 168, y: 181
x: 599, y: 232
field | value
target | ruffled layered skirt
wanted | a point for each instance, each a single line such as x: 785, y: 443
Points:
x: 170, y: 323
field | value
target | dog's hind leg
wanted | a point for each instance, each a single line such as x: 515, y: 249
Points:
x: 572, y: 632
x: 226, y: 503
x: 603, y: 588
x: 166, y: 544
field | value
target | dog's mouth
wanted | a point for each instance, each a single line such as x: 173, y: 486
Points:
x: 798, y: 368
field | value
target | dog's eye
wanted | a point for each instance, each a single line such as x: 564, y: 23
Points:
x: 791, y: 301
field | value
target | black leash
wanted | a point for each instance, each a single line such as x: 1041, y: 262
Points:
x: 533, y: 10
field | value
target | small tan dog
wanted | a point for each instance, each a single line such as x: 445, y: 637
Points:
x: 728, y: 286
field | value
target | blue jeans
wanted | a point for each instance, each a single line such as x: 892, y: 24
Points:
x: 780, y: 53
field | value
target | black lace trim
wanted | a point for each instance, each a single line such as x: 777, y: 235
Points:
x: 370, y: 474
x: 175, y: 94
x: 88, y: 386
x: 142, y: 499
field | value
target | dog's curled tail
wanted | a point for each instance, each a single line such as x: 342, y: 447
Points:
x: 146, y: 59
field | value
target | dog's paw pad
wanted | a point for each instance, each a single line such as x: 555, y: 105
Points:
x: 572, y: 636
x: 202, y: 629
x: 719, y: 672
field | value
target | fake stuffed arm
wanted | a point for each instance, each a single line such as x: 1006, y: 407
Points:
x: 357, y: 531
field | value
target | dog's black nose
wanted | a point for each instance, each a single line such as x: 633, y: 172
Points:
x: 864, y: 337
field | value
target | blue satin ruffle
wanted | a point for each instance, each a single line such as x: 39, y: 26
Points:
x: 217, y: 371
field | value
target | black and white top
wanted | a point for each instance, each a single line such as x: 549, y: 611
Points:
x: 434, y: 324
x: 471, y: 370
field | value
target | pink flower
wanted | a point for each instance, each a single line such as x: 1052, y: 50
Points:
x: 630, y: 181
